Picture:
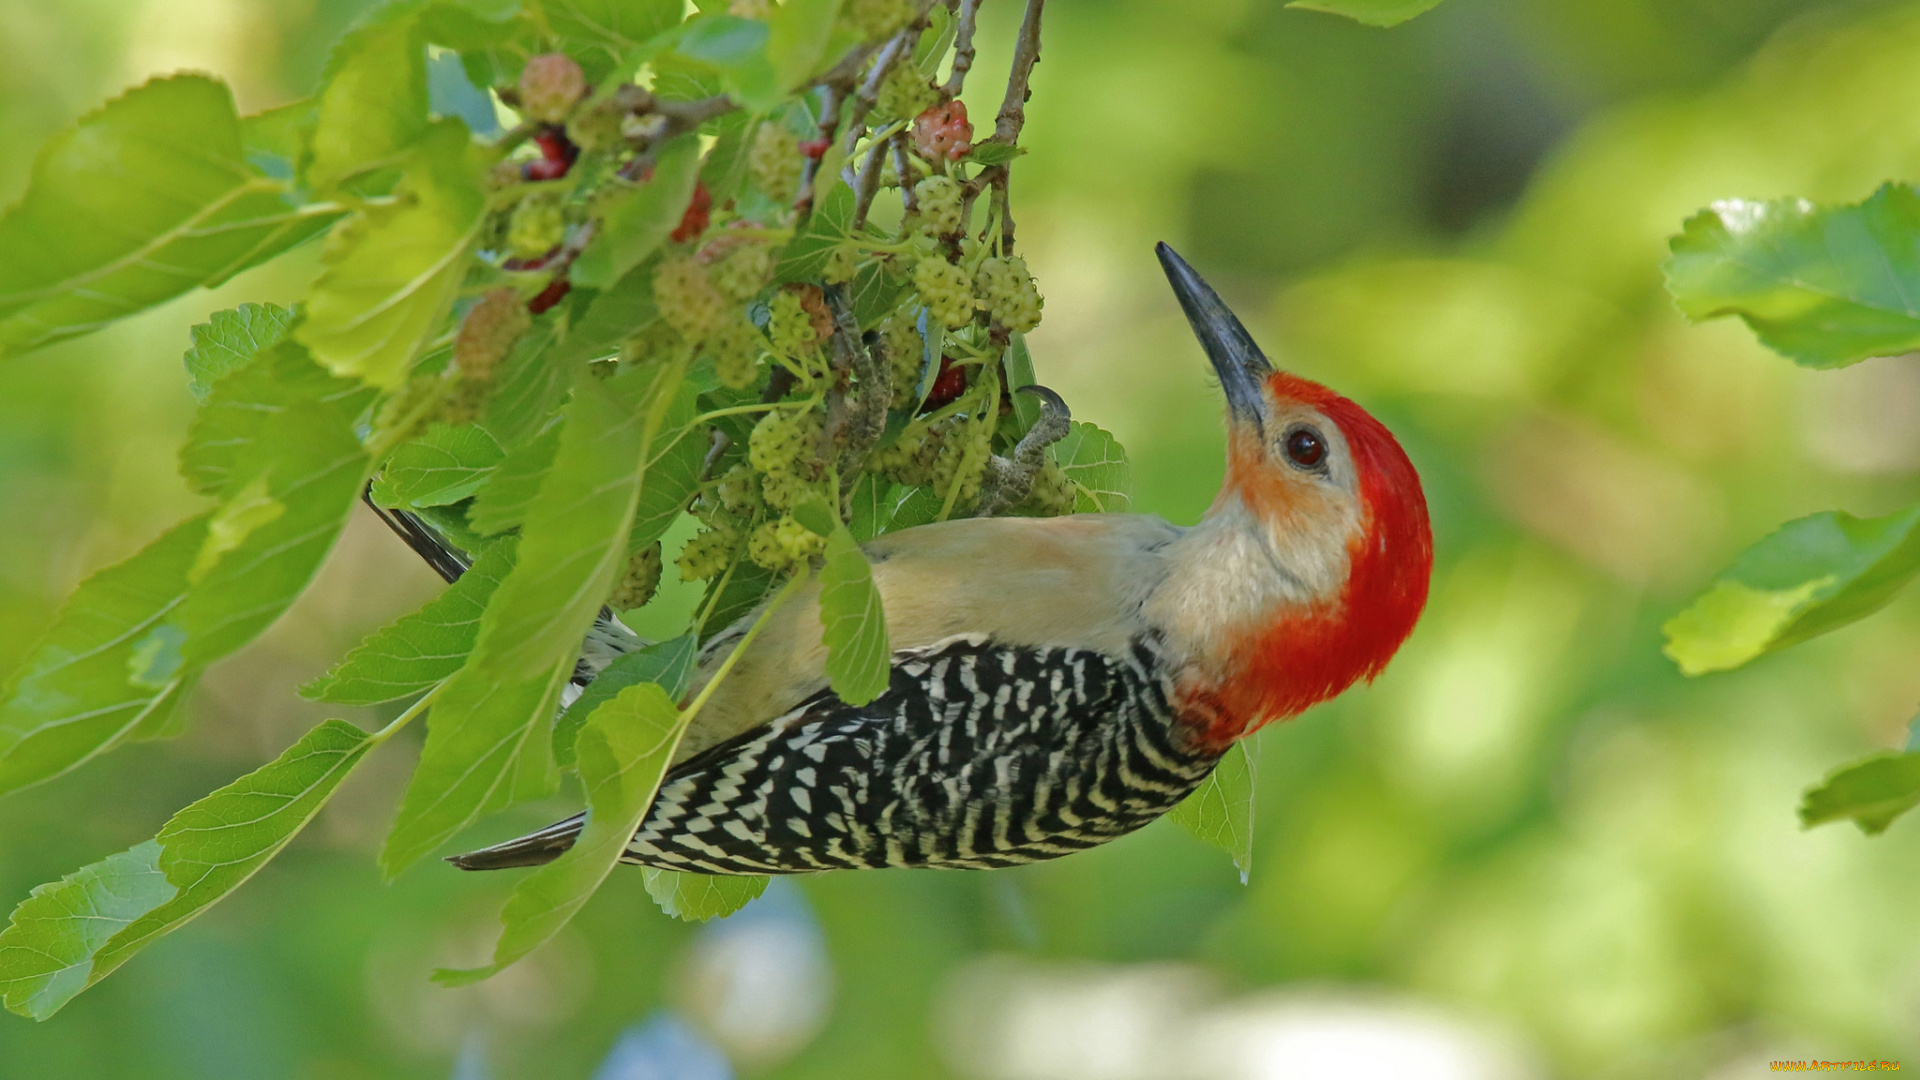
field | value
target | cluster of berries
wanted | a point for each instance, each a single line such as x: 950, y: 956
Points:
x: 714, y: 286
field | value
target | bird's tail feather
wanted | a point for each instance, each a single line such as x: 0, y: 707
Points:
x: 426, y: 541
x: 533, y: 849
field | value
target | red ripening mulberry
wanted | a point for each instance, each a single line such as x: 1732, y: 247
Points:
x: 947, y: 386
x: 549, y: 86
x: 557, y: 154
x: 555, y: 291
x: 943, y: 131
x: 699, y: 212
x: 816, y: 148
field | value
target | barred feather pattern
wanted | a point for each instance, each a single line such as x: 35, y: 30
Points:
x: 977, y: 755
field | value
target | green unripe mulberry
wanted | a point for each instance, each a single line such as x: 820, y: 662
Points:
x: 640, y: 582
x: 707, y: 555
x: 1006, y: 290
x: 1052, y: 493
x: 743, y: 272
x: 905, y: 94
x: 687, y: 299
x: 783, y: 543
x: 735, y: 349
x: 939, y: 198
x: 774, y: 162
x: 537, y: 226
x: 785, y: 442
x: 875, y: 19
x: 943, y: 287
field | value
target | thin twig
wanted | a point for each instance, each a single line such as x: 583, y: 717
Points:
x: 1013, y: 108
x: 963, y: 49
x: 829, y: 129
x: 868, y: 95
x: 867, y: 184
x: 904, y: 166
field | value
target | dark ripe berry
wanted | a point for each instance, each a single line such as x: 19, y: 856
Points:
x: 943, y: 130
x: 557, y: 155
x: 699, y: 212
x: 555, y: 291
x: 947, y: 386
x: 815, y: 148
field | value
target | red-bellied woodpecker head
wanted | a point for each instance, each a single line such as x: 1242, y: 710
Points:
x: 1317, y: 550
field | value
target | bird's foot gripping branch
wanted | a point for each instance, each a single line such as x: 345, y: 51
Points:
x: 589, y: 266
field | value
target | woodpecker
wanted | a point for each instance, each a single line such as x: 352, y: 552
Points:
x: 1056, y: 682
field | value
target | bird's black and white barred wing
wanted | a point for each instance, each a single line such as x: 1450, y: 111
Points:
x: 977, y: 755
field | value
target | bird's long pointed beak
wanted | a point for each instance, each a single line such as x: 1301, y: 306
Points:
x: 1242, y: 367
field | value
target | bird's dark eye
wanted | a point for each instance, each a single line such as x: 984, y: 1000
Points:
x: 1306, y: 448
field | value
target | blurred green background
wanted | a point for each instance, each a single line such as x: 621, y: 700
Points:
x: 1531, y: 850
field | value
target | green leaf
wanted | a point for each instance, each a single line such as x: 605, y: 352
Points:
x: 831, y: 225
x: 417, y: 651
x: 934, y: 41
x: 623, y: 751
x: 740, y: 591
x: 669, y: 663
x: 728, y: 162
x: 487, y: 738
x: 859, y: 663
x: 874, y: 294
x: 229, y: 340
x: 736, y: 48
x: 104, y: 669
x: 278, y: 140
x: 911, y: 506
x: 673, y: 470
x: 1220, y: 811
x: 141, y: 201
x: 530, y: 386
x: 1370, y: 12
x: 394, y: 269
x: 444, y: 465
x: 994, y: 153
x: 797, y: 44
x: 621, y: 312
x: 1097, y: 466
x: 1872, y: 791
x: 502, y: 504
x: 69, y: 935
x: 1814, y: 575
x: 1017, y: 363
x: 637, y: 218
x: 868, y: 513
x: 698, y: 897
x: 373, y: 107
x: 1827, y: 286
x: 600, y: 33
x: 47, y: 953
x: 283, y: 421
